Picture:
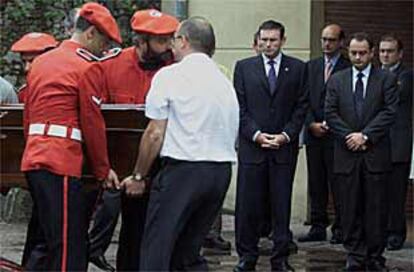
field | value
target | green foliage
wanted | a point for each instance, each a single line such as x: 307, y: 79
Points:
x: 18, y: 17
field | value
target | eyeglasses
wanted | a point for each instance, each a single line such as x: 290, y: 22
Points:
x: 323, y: 39
x: 178, y: 37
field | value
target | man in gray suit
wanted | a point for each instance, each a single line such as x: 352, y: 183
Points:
x: 390, y: 54
x: 360, y: 108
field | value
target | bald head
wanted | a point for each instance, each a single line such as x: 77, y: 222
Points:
x: 199, y: 33
x: 332, y: 39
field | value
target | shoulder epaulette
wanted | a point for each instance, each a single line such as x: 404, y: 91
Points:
x: 85, y: 54
x: 111, y: 54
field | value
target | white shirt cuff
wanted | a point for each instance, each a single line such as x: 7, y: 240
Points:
x: 286, y: 135
x: 256, y: 135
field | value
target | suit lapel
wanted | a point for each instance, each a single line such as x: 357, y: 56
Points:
x: 260, y: 71
x: 349, y: 94
x: 372, y: 87
x: 340, y: 64
x: 282, y: 75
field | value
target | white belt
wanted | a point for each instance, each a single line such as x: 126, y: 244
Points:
x: 55, y: 130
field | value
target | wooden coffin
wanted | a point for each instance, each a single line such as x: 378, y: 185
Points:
x: 124, y: 127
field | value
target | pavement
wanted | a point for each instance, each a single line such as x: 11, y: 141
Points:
x: 314, y: 256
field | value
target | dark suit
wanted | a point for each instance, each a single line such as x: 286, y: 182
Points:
x: 319, y: 151
x: 265, y: 176
x: 362, y: 174
x: 401, y: 148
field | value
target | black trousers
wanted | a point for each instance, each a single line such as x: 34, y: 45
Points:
x: 397, y: 184
x: 215, y: 230
x: 184, y: 201
x: 321, y: 181
x: 105, y: 220
x: 363, y: 214
x: 59, y: 240
x: 132, y: 229
x: 259, y: 185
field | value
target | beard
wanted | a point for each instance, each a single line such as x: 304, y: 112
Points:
x: 154, y: 61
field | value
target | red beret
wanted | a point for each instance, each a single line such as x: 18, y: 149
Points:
x: 151, y: 21
x: 101, y: 17
x: 34, y: 42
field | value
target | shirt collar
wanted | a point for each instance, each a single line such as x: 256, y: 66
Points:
x: 392, y: 68
x: 366, y: 71
x: 277, y: 59
x: 195, y: 56
x: 333, y: 60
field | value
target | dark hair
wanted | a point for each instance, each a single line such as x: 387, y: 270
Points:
x: 200, y: 34
x: 272, y: 25
x: 256, y: 36
x: 81, y: 24
x: 391, y: 37
x: 341, y: 34
x: 360, y: 37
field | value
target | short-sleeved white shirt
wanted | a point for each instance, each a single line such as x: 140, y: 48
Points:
x: 201, y: 106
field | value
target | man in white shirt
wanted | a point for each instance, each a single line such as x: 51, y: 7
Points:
x: 194, y: 122
x: 7, y: 93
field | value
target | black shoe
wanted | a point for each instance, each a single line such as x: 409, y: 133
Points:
x: 293, y: 247
x: 395, y: 242
x: 314, y: 234
x: 245, y: 265
x: 100, y: 262
x: 218, y: 244
x: 376, y: 266
x: 336, y: 238
x: 282, y: 266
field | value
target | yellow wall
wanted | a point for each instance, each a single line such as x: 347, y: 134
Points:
x: 234, y: 23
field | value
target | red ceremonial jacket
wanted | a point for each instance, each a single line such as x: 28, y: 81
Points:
x: 55, y: 98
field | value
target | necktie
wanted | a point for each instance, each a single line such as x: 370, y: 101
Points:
x: 359, y: 95
x: 272, y: 77
x: 328, y: 70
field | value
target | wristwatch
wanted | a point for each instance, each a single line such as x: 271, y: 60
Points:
x: 365, y: 137
x: 137, y: 177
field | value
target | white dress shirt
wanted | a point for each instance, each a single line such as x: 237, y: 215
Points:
x: 7, y: 93
x: 277, y: 61
x: 355, y: 73
x: 201, y: 106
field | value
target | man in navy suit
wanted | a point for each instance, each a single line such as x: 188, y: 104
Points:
x: 319, y: 140
x: 360, y: 108
x: 273, y: 104
x: 390, y: 55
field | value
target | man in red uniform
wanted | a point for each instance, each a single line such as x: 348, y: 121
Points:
x: 125, y: 79
x: 59, y: 117
x: 30, y: 46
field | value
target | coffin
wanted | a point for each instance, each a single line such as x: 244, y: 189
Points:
x: 124, y: 127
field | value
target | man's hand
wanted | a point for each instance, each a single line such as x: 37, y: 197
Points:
x: 355, y: 141
x: 276, y: 141
x: 264, y: 140
x: 111, y: 181
x: 318, y: 129
x: 133, y: 188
